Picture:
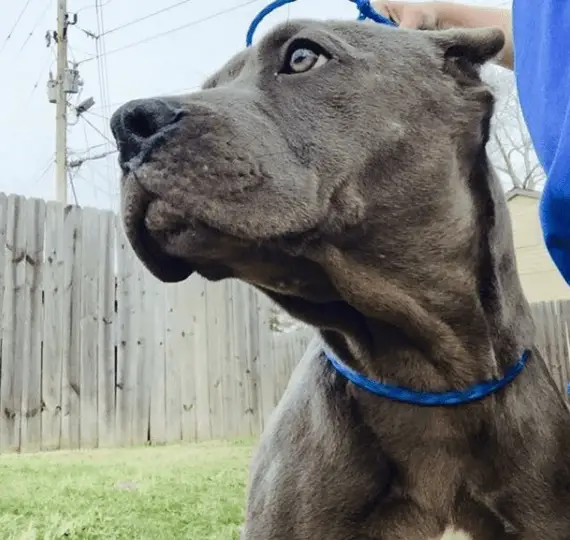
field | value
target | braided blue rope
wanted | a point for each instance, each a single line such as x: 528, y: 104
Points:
x: 397, y: 393
x: 365, y: 11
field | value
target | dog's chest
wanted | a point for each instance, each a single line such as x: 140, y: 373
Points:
x: 452, y: 533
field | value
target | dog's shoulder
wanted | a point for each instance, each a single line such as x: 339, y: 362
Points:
x: 309, y: 439
x: 301, y: 413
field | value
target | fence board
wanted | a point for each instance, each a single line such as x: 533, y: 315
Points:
x: 52, y: 360
x: 88, y: 328
x: 138, y: 355
x: 31, y: 418
x: 564, y: 308
x: 13, y: 308
x: 4, y: 272
x: 156, y: 360
x: 191, y: 308
x: 70, y: 388
x: 143, y: 349
x: 179, y: 402
x: 3, y: 250
x: 557, y: 335
x: 127, y: 296
x: 215, y: 328
x: 266, y: 359
x: 254, y: 405
x: 106, y: 331
x: 199, y: 352
x: 229, y: 370
x: 551, y: 340
x: 237, y: 357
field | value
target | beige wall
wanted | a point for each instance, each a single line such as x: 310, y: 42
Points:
x: 540, y: 279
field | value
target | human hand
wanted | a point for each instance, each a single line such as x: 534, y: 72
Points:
x: 417, y: 15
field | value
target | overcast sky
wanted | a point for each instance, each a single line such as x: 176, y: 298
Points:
x: 178, y: 49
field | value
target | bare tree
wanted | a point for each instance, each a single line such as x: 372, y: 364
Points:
x: 510, y: 147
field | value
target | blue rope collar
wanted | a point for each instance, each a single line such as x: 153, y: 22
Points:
x: 454, y: 397
x: 365, y: 11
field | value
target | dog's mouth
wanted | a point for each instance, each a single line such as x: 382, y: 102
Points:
x: 172, y: 244
x: 138, y: 205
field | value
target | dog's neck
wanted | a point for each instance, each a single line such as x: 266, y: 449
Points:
x: 447, y: 324
x: 442, y: 340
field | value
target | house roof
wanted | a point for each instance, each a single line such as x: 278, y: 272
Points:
x: 517, y: 192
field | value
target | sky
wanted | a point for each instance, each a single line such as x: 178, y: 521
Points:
x: 168, y: 53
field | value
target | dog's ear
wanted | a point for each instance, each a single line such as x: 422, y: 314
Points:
x: 475, y: 46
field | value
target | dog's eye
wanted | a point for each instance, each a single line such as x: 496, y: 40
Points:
x: 303, y: 57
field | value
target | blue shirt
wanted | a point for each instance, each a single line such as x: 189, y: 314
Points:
x: 541, y: 30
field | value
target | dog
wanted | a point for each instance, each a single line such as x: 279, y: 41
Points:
x: 340, y: 168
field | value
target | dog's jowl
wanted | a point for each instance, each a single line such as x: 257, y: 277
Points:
x: 340, y: 168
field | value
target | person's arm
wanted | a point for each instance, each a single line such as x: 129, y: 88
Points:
x: 442, y: 15
x: 465, y: 16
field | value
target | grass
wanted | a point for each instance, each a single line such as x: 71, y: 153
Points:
x: 171, y: 492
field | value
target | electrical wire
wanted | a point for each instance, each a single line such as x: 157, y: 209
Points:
x: 101, y: 52
x: 88, y: 147
x: 177, y: 29
x: 45, y: 68
x: 36, y: 24
x: 97, y: 130
x: 15, y: 25
x: 113, y: 194
x: 71, y: 179
x: 44, y: 170
x: 93, y: 6
x: 144, y: 18
x: 177, y: 91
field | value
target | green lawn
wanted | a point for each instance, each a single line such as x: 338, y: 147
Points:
x: 172, y: 492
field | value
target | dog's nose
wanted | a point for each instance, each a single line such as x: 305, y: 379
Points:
x: 136, y: 124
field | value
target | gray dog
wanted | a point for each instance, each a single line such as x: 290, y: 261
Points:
x: 340, y: 168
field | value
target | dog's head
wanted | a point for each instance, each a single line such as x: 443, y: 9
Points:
x: 335, y: 163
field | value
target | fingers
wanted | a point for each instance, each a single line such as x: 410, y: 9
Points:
x: 383, y: 8
x: 412, y: 18
x: 405, y: 14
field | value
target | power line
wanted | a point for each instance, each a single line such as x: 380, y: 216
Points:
x: 93, y: 6
x: 143, y: 18
x: 44, y: 70
x: 89, y: 147
x: 177, y: 91
x: 101, y: 52
x: 177, y: 29
x: 71, y: 178
x: 45, y: 169
x: 15, y: 25
x: 36, y: 24
x: 96, y: 129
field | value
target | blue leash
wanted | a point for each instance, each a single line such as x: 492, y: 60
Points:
x: 414, y: 397
x: 365, y: 11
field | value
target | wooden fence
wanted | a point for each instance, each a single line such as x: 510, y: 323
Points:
x: 95, y: 352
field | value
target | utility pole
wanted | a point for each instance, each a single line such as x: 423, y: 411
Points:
x: 61, y: 105
x: 66, y: 82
